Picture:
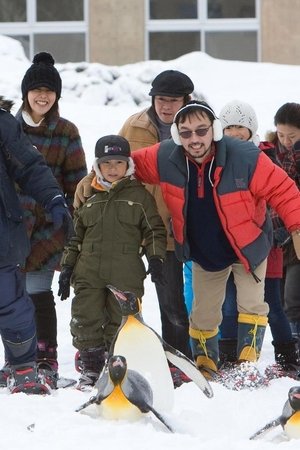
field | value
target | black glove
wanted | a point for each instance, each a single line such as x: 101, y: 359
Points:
x: 61, y: 216
x: 64, y: 282
x: 281, y: 237
x: 156, y: 270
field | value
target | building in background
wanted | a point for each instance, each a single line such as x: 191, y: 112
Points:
x: 117, y: 32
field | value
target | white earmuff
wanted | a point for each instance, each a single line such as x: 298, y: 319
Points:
x: 175, y: 134
x: 217, y: 130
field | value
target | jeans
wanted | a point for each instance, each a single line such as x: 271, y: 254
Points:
x: 292, y: 292
x: 39, y: 281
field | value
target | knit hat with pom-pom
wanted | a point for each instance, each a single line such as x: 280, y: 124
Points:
x: 42, y: 73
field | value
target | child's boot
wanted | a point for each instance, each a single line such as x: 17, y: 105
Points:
x: 93, y: 360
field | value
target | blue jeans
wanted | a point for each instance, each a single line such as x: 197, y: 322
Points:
x: 39, y: 281
x: 17, y: 324
x: 279, y: 325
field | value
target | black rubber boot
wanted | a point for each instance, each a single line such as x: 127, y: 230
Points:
x: 93, y: 360
x: 45, y: 317
x: 287, y: 355
x: 227, y: 352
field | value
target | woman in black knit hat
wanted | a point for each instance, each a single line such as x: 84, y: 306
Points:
x: 59, y: 142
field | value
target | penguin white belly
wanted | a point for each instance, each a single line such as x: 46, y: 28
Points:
x: 145, y: 354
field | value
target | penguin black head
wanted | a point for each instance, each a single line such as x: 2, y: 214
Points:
x: 117, y: 367
x: 129, y: 303
x: 294, y: 397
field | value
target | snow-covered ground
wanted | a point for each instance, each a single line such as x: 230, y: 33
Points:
x: 98, y: 99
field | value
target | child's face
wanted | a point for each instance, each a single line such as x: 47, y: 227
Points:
x: 237, y: 131
x: 113, y: 170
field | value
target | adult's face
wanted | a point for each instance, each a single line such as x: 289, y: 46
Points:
x: 287, y: 135
x: 166, y: 107
x: 197, y: 147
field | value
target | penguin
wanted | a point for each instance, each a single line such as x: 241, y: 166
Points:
x: 148, y: 354
x: 123, y: 393
x: 289, y: 419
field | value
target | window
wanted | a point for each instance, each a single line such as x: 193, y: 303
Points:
x: 178, y: 9
x: 230, y: 9
x: 57, y: 26
x: 181, y: 43
x: 225, y: 29
x: 64, y: 47
x: 64, y: 10
x: 13, y: 11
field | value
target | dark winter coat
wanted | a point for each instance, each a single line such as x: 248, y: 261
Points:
x: 58, y: 140
x: 243, y: 181
x: 22, y: 164
x: 109, y: 230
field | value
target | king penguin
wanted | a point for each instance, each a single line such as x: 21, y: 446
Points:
x: 123, y: 393
x: 289, y: 419
x: 147, y: 353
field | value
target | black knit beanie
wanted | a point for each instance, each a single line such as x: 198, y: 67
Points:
x: 42, y: 73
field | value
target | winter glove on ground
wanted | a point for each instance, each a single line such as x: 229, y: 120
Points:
x: 83, y: 190
x: 64, y: 282
x: 61, y: 216
x: 156, y: 271
x: 281, y: 237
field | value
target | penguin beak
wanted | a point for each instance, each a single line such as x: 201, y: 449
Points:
x: 117, y: 293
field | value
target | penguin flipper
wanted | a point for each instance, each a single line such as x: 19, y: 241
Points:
x: 189, y: 368
x: 266, y: 428
x: 161, y: 419
x: 145, y: 407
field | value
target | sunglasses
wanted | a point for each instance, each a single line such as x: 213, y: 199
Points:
x: 199, y: 132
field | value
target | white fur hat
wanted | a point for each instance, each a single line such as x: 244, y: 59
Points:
x: 239, y: 113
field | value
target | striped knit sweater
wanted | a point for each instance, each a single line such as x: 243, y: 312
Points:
x: 59, y: 142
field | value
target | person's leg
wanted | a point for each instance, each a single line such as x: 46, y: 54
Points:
x: 292, y: 298
x: 17, y: 326
x: 174, y: 317
x: 188, y: 285
x: 253, y: 310
x: 228, y: 329
x: 38, y: 286
x: 285, y: 345
x: 206, y: 316
x: 87, y: 328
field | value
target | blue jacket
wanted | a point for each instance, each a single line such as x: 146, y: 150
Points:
x: 20, y: 163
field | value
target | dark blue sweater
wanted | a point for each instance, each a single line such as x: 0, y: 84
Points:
x: 209, y: 245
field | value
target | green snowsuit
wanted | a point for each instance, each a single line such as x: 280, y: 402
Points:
x: 106, y: 249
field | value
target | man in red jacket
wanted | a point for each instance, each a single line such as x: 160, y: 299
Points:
x: 216, y: 189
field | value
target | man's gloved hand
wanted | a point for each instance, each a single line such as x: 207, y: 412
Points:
x: 83, y: 190
x: 281, y: 237
x: 61, y: 216
x: 64, y: 282
x: 156, y: 271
